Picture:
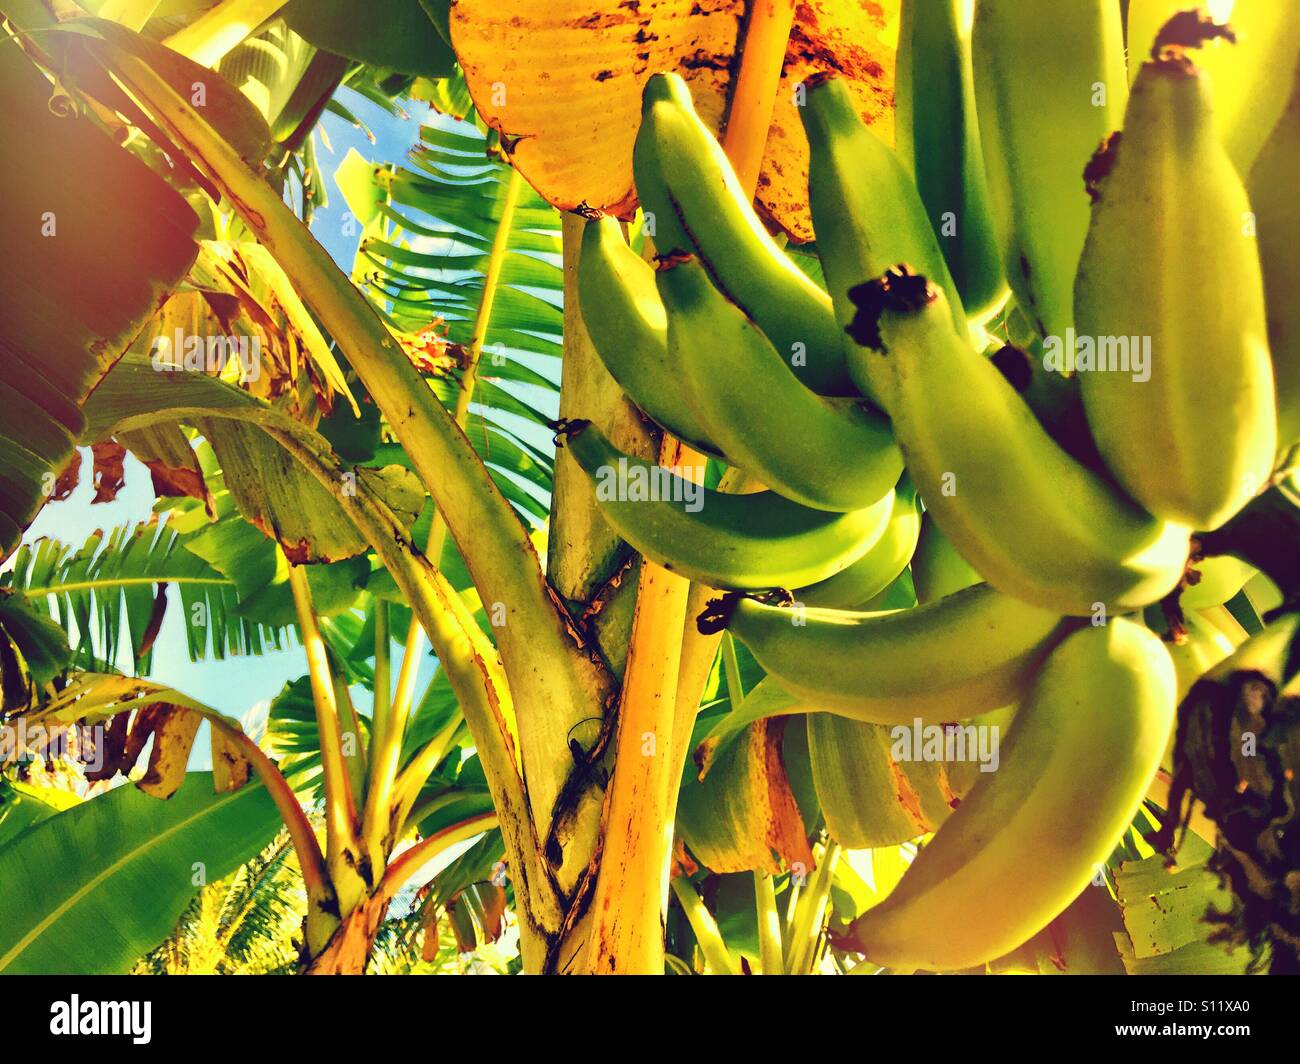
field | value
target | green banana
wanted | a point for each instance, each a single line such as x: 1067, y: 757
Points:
x: 1030, y: 519
x: 936, y: 135
x: 866, y: 211
x: 629, y: 328
x: 1277, y: 218
x: 1250, y: 77
x: 684, y: 180
x: 1028, y: 838
x: 827, y: 453
x: 937, y: 568
x: 971, y: 652
x: 880, y: 566
x: 1041, y: 69
x: 1192, y: 436
x: 742, y: 542
x: 1218, y: 579
x: 1203, y: 647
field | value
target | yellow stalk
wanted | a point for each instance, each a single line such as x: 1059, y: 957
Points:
x: 342, y: 843
x: 627, y: 926
x: 210, y: 37
x: 627, y: 932
x: 767, y: 33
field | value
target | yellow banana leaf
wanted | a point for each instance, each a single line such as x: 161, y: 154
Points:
x: 562, y: 84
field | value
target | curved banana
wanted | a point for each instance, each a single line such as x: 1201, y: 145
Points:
x: 1049, y: 86
x: 880, y: 566
x: 866, y: 211
x: 830, y: 454
x: 684, y: 180
x: 973, y: 651
x: 1277, y: 219
x: 629, y: 329
x: 936, y: 135
x: 1030, y: 519
x: 1190, y: 430
x: 937, y: 568
x: 741, y: 542
x: 1029, y: 837
x: 1250, y: 77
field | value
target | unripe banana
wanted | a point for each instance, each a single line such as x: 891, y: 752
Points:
x: 1218, y: 579
x: 827, y: 453
x: 1277, y: 220
x: 971, y: 652
x: 629, y: 329
x: 880, y: 566
x: 683, y: 179
x: 866, y: 211
x: 937, y: 138
x: 1171, y: 264
x: 742, y: 542
x: 1049, y: 85
x: 1030, y: 519
x: 1203, y: 647
x: 937, y: 568
x: 1250, y: 78
x: 1028, y: 838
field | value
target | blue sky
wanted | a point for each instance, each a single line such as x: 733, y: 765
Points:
x: 236, y: 685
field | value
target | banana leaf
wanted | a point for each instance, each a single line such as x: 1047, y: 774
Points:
x: 95, y: 242
x: 91, y: 889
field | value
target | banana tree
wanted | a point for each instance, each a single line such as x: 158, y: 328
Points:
x: 383, y: 481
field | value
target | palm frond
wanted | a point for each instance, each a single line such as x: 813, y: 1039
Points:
x: 111, y: 587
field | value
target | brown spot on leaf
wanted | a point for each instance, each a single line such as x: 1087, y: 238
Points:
x: 109, y: 456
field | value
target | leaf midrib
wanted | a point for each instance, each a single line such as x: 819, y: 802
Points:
x: 21, y: 946
x: 124, y: 581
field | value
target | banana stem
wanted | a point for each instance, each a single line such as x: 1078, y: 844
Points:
x: 354, y: 750
x: 342, y: 843
x: 642, y: 844
x: 550, y: 670
x: 321, y: 922
x: 416, y: 774
x: 769, y: 925
x: 464, y: 396
x: 716, y: 954
x: 735, y: 688
x: 810, y: 915
x: 386, y: 746
x: 627, y: 935
x: 767, y: 33
x: 210, y: 37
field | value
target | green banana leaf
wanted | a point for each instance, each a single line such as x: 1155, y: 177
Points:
x: 397, y: 34
x: 91, y: 889
x: 95, y: 241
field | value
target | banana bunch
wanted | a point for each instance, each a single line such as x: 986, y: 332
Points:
x: 1035, y: 513
x: 1028, y: 838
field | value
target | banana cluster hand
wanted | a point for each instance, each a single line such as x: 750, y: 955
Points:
x: 896, y: 454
